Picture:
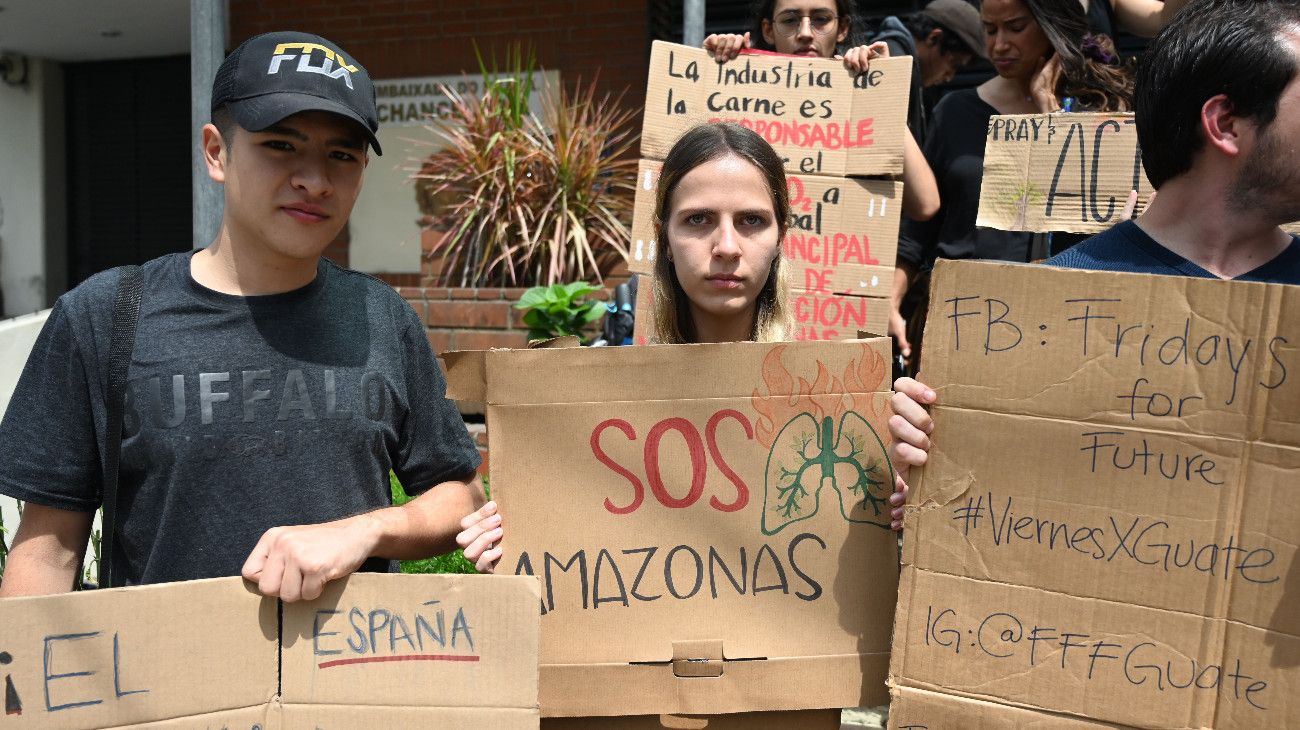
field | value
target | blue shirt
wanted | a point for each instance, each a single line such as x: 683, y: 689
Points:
x: 1125, y: 247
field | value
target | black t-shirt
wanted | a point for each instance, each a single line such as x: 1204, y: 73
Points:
x: 1101, y: 17
x: 1126, y: 247
x: 242, y: 414
x: 955, y: 150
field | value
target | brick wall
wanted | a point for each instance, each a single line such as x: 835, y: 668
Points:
x: 473, y: 319
x: 397, y: 38
x: 468, y: 319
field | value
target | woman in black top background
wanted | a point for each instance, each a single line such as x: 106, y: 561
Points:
x: 1043, y: 55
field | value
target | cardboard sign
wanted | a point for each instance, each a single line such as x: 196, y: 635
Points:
x: 1060, y: 172
x: 814, y: 315
x: 819, y: 116
x: 1063, y: 172
x: 798, y: 720
x: 396, y: 651
x: 1108, y: 523
x: 827, y: 316
x: 707, y: 521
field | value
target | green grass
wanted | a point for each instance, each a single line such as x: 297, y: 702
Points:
x: 453, y: 562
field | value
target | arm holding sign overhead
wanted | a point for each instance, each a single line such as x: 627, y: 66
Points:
x: 920, y: 189
x: 1145, y: 17
x: 726, y: 46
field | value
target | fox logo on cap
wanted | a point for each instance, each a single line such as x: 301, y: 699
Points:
x: 326, y: 68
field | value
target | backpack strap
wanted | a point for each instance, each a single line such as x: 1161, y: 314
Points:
x: 126, y: 312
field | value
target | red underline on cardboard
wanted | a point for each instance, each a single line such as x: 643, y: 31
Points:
x: 409, y: 658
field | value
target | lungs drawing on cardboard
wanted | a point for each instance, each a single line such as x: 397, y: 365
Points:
x: 821, y: 449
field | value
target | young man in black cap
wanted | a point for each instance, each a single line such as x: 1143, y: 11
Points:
x: 941, y: 38
x: 269, y: 391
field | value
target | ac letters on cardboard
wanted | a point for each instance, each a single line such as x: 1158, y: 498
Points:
x: 1060, y: 172
x: 707, y: 521
x: 373, y: 650
x: 1107, y: 527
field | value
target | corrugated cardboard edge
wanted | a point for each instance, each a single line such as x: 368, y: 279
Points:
x: 466, y: 375
x: 406, y: 717
x: 779, y: 720
x: 911, y: 705
x: 641, y: 689
x: 266, y: 713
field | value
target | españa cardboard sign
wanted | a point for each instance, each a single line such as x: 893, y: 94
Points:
x: 1107, y: 526
x: 1060, y: 172
x: 819, y: 116
x: 707, y: 521
x: 402, y: 651
x: 454, y: 651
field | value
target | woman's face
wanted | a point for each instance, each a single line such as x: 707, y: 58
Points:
x: 805, y: 28
x: 1014, y: 41
x: 722, y: 236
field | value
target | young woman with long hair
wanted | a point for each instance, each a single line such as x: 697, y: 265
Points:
x: 721, y: 213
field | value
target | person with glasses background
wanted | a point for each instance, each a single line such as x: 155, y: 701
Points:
x: 822, y: 29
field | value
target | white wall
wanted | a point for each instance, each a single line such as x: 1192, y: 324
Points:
x: 23, y: 236
x: 16, y: 339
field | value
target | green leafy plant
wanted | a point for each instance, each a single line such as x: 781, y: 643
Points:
x: 91, y: 572
x: 523, y: 200
x: 559, y: 310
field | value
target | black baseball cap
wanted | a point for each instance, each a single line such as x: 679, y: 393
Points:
x: 962, y: 20
x: 275, y: 75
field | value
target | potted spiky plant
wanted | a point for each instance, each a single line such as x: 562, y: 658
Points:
x: 523, y: 200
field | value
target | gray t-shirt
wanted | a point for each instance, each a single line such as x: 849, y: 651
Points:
x: 242, y: 414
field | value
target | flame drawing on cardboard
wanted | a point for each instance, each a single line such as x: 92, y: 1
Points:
x: 823, y: 439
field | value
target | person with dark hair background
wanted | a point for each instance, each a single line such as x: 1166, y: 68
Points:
x: 942, y: 38
x: 1217, y: 105
x: 1046, y: 62
x: 817, y: 28
x: 824, y: 29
